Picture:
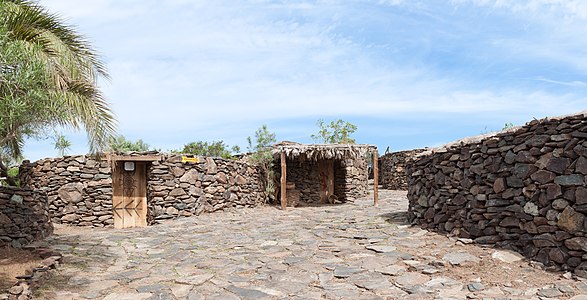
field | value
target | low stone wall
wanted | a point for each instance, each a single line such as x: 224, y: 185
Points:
x: 24, y: 216
x: 212, y: 184
x: 523, y: 189
x: 79, y: 188
x: 392, y: 169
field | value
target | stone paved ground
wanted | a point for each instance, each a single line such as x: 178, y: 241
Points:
x: 348, y: 251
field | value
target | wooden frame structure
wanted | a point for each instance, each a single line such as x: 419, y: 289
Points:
x: 317, y: 152
x: 129, y: 188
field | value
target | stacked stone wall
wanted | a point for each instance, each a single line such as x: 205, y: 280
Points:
x: 392, y: 169
x: 79, y: 188
x: 212, y: 184
x: 523, y: 189
x: 353, y: 180
x: 306, y: 178
x: 24, y: 216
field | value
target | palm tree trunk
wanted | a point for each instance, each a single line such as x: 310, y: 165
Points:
x: 4, y: 173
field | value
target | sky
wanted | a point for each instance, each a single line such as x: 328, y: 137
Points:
x: 408, y: 74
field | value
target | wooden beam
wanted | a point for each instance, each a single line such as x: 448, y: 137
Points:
x: 147, y: 157
x: 283, y: 181
x: 375, y: 177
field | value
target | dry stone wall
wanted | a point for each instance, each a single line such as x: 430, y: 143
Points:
x: 353, y: 182
x: 24, y: 216
x: 392, y: 169
x: 79, y: 188
x: 523, y: 189
x: 212, y: 184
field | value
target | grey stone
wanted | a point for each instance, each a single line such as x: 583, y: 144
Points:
x: 71, y: 192
x: 507, y: 256
x: 514, y: 181
x: 381, y: 248
x: 191, y: 176
x: 559, y: 204
x: 246, y: 293
x: 460, y: 258
x: 17, y: 199
x: 570, y: 180
x: 475, y: 287
x: 549, y: 292
x: 531, y: 209
x: 345, y: 271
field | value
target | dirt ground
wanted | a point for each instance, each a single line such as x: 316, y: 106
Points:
x: 15, y: 262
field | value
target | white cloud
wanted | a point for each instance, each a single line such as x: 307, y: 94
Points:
x: 219, y: 69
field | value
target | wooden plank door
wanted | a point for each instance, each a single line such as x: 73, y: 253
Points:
x: 129, y: 199
x: 326, y: 171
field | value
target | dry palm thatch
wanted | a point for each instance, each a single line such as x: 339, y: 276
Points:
x: 316, y: 152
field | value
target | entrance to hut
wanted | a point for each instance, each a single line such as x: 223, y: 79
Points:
x: 129, y: 194
x: 326, y: 173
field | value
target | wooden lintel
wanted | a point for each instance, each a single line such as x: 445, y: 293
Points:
x: 283, y: 181
x: 375, y: 177
x: 135, y: 157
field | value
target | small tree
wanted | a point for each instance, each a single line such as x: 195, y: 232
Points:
x: 62, y: 144
x: 215, y: 148
x: 262, y: 156
x: 336, y: 132
x: 121, y: 144
x: 508, y: 125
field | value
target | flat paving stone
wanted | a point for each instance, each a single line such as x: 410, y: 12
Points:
x: 344, y: 251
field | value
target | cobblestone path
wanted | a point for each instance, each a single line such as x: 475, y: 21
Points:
x: 346, y: 251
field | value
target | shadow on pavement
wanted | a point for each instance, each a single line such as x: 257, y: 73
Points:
x: 398, y: 218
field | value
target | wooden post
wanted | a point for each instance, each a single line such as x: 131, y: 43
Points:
x: 375, y: 178
x: 283, y: 181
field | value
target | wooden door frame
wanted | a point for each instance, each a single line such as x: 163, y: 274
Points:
x: 129, y: 195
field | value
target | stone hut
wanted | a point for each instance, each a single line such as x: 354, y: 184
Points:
x: 315, y: 174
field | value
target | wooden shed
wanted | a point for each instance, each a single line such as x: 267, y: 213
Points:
x: 322, y: 173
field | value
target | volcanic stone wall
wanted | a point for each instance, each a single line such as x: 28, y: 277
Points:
x: 392, y: 169
x: 24, y: 216
x: 351, y: 182
x: 79, y: 188
x: 212, y: 184
x: 523, y: 189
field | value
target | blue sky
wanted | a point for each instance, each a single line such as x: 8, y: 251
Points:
x: 409, y: 74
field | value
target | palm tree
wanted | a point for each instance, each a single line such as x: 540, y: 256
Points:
x: 48, y: 78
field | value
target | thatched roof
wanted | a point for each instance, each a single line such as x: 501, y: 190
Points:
x: 315, y: 152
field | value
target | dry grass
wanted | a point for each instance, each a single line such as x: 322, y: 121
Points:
x: 15, y: 262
